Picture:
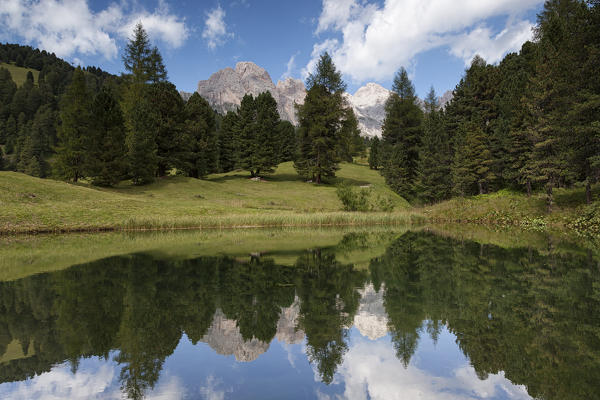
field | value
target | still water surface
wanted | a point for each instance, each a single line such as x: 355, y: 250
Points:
x: 425, y: 316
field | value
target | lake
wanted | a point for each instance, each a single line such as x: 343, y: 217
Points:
x: 429, y: 313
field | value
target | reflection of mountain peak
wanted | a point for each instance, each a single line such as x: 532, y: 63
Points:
x: 225, y: 338
x: 287, y: 331
x: 371, y: 319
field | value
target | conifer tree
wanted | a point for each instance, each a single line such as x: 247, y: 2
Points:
x: 140, y: 137
x: 433, y: 172
x: 2, y: 162
x: 286, y: 141
x: 137, y: 55
x: 75, y: 123
x: 106, y: 158
x: 472, y: 167
x: 228, y: 142
x: 156, y: 68
x: 200, y: 137
x: 267, y: 119
x: 402, y: 129
x: 167, y: 119
x: 247, y: 132
x: 374, y: 155
x: 320, y: 119
x: 351, y: 143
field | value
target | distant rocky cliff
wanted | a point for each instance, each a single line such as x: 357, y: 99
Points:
x: 225, y: 89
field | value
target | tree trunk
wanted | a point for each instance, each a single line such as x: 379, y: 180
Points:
x: 480, y: 187
x: 528, y: 188
x: 588, y: 192
x: 318, y: 178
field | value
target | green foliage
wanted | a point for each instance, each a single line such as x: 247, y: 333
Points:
x: 286, y: 141
x: 140, y: 139
x: 320, y: 123
x: 362, y: 199
x: 75, y: 123
x: 353, y: 200
x: 433, y: 182
x: 258, y: 129
x: 401, y: 137
x: 201, y: 137
x: 228, y: 135
x: 166, y: 124
x: 106, y: 162
x: 374, y: 153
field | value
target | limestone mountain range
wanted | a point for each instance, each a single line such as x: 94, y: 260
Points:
x: 225, y: 89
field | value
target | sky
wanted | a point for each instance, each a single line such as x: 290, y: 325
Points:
x: 369, y: 40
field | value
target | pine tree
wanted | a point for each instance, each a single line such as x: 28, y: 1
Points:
x: 247, y: 132
x: 140, y: 134
x: 351, y: 143
x: 167, y: 119
x: 433, y: 172
x: 11, y: 134
x: 200, y: 137
x: 75, y: 124
x: 402, y: 129
x: 106, y: 162
x: 472, y: 167
x: 286, y: 141
x: 2, y: 162
x: 156, y: 68
x: 374, y: 155
x: 138, y: 55
x: 267, y: 120
x: 228, y: 142
x: 320, y: 119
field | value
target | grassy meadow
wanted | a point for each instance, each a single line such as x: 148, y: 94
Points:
x: 282, y: 199
x: 19, y: 74
x: 30, y: 204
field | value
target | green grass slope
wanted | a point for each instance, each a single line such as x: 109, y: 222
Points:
x: 19, y: 74
x: 30, y: 204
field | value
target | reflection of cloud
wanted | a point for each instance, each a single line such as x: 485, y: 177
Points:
x: 211, y: 391
x: 371, y: 370
x: 60, y: 383
x: 171, y: 389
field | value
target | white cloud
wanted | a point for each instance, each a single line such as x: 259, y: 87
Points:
x: 215, y: 30
x: 290, y: 66
x: 69, y: 27
x: 377, y: 40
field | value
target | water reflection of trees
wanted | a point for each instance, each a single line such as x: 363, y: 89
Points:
x: 534, y: 315
x: 141, y: 306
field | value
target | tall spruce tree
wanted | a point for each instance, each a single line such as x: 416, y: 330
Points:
x: 106, y: 157
x: 200, y: 137
x: 167, y: 119
x: 265, y: 157
x: 401, y: 136
x: 247, y: 132
x: 320, y: 120
x: 433, y: 170
x: 286, y: 141
x: 137, y: 108
x: 228, y: 142
x: 137, y: 55
x: 75, y: 124
x: 140, y: 134
x: 374, y: 153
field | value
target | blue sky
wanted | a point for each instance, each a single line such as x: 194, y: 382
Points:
x: 369, y: 40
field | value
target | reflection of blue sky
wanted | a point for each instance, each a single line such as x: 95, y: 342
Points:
x: 370, y: 370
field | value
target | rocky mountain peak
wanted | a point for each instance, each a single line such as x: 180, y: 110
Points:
x: 369, y: 95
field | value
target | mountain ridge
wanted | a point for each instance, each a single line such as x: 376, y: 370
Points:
x: 225, y: 89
